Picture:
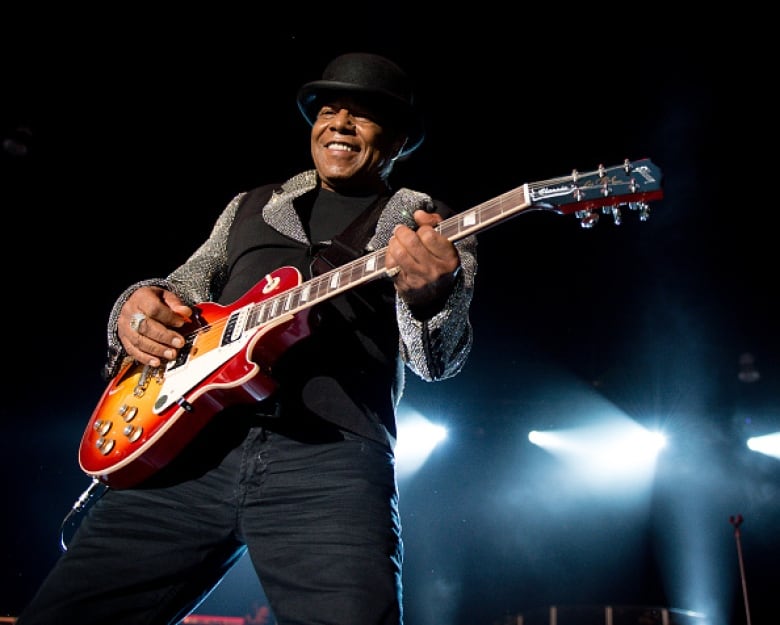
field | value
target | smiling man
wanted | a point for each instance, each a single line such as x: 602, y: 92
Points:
x: 291, y: 460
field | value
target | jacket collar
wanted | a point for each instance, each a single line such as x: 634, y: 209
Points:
x: 280, y: 214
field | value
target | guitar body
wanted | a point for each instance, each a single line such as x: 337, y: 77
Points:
x: 147, y: 415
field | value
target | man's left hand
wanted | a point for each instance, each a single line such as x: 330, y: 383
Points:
x: 425, y: 263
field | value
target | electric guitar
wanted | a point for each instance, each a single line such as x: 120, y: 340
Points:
x: 147, y: 415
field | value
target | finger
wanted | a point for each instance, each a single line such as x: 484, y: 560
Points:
x: 148, y: 351
x: 160, y: 334
x: 408, y: 246
x: 149, y: 341
x: 423, y: 218
x: 136, y: 320
x: 183, y: 313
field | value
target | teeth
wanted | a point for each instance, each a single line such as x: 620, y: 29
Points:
x: 340, y: 146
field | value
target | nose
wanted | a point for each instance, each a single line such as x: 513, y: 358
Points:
x: 344, y: 119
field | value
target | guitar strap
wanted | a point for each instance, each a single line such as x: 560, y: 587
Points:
x: 351, y: 243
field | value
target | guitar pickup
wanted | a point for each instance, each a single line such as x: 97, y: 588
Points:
x: 234, y: 328
x: 183, y: 355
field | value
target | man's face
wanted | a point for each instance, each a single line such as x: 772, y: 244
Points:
x: 352, y: 146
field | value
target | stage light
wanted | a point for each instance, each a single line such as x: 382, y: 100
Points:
x: 619, y: 449
x: 769, y: 444
x: 417, y: 437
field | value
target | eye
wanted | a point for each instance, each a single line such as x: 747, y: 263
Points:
x: 364, y: 115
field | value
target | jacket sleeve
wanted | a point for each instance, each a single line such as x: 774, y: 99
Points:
x: 198, y: 279
x: 437, y: 348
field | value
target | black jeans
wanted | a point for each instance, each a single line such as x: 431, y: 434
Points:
x: 316, y: 510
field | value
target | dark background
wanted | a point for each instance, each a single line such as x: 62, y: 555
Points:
x: 123, y: 142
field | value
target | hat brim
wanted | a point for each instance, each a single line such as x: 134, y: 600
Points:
x: 312, y: 95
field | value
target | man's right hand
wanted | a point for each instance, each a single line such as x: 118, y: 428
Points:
x: 147, y: 325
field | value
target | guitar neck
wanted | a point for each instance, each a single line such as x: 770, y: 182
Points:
x: 632, y: 183
x: 371, y: 266
x: 487, y: 214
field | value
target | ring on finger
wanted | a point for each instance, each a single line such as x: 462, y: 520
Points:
x: 135, y: 321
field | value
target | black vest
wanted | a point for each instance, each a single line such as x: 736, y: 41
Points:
x: 347, y: 370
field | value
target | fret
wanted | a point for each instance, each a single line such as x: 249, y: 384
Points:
x: 356, y: 272
x: 262, y: 313
x: 253, y: 318
x: 320, y: 288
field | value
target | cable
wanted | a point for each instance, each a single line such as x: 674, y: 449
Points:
x: 79, y: 506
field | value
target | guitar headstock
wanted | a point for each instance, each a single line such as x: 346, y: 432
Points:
x: 632, y: 184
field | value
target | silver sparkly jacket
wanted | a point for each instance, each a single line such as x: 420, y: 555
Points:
x: 434, y: 349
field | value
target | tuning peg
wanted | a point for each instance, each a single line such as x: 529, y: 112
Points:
x: 642, y: 207
x: 613, y: 210
x: 587, y: 218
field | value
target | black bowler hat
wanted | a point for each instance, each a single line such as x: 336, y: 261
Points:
x: 373, y: 77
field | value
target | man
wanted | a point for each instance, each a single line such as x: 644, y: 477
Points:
x: 302, y: 478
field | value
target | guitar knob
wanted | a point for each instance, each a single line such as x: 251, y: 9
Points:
x: 102, y: 426
x: 105, y: 445
x: 133, y: 433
